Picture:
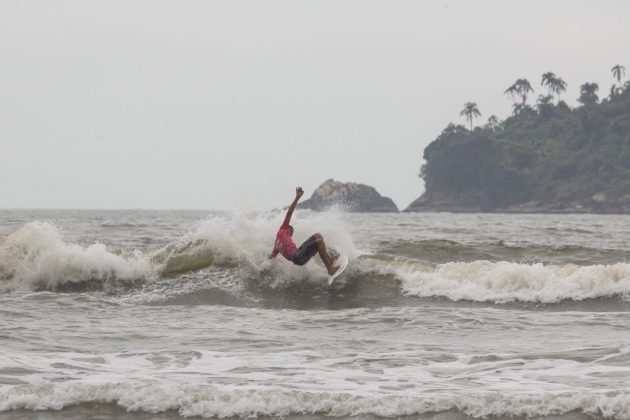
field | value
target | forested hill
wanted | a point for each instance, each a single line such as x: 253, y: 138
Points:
x: 547, y: 158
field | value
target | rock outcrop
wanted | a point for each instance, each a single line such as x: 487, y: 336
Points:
x: 348, y: 196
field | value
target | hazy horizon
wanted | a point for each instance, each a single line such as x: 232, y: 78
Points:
x: 230, y: 105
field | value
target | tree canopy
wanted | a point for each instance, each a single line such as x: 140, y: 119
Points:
x: 551, y: 154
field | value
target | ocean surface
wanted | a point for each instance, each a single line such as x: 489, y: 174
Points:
x: 173, y: 314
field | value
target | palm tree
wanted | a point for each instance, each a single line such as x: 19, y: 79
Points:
x: 548, y: 80
x: 493, y: 121
x: 511, y: 92
x: 558, y: 86
x: 618, y: 72
x: 588, y: 94
x: 520, y: 88
x: 554, y: 83
x: 470, y: 111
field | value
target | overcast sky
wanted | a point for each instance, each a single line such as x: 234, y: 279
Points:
x: 231, y: 104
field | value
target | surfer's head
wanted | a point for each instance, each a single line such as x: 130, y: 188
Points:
x: 291, y: 230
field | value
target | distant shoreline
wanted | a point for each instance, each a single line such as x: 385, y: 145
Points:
x: 522, y: 209
x: 507, y: 211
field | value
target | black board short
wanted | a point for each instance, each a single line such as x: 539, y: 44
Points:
x: 305, y: 252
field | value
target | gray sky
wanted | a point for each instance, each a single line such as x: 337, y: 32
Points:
x: 231, y: 104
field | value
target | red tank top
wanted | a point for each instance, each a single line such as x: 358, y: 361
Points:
x: 284, y: 244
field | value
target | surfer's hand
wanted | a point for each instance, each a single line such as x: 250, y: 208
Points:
x: 299, y: 192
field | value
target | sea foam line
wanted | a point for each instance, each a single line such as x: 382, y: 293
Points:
x: 229, y: 401
x: 486, y: 281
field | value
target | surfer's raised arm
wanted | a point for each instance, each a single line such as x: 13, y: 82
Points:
x: 298, y: 193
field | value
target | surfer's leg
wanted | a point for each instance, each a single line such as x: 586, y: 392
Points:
x: 323, y: 254
x: 305, y: 252
x: 313, y: 245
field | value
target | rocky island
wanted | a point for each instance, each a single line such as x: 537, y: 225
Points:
x: 348, y: 196
x: 547, y: 158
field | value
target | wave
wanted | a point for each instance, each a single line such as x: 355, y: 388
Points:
x: 500, y: 282
x: 385, y: 280
x: 227, y: 257
x: 36, y: 257
x: 241, y: 245
x: 233, y: 401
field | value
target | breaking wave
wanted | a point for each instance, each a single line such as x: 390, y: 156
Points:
x: 233, y: 401
x: 499, y: 282
x: 36, y: 256
x: 229, y: 255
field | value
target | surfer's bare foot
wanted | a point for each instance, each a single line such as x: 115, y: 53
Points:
x: 333, y: 270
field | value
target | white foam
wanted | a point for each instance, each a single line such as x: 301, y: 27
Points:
x: 248, y: 239
x: 36, y: 256
x: 486, y: 281
x: 228, y: 401
x: 251, y: 236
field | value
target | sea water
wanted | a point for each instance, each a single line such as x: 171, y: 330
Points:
x: 170, y: 314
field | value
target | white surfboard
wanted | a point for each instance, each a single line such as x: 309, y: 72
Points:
x: 342, y: 268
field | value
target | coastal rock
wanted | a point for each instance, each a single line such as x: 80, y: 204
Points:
x: 350, y: 196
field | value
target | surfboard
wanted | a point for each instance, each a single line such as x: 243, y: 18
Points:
x: 342, y: 268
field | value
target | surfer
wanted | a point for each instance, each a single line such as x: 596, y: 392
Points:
x: 299, y: 256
